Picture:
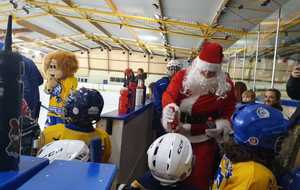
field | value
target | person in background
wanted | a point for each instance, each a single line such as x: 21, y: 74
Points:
x: 248, y: 96
x: 239, y: 88
x: 248, y: 159
x: 161, y: 85
x: 170, y: 159
x: 140, y: 74
x: 128, y: 77
x: 272, y: 98
x: 82, y: 109
x: 159, y: 88
x: 293, y: 89
x: 32, y: 79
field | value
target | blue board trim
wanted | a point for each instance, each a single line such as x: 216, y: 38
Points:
x: 28, y: 167
x: 75, y: 175
x: 126, y: 117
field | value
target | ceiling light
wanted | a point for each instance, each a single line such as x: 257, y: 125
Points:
x: 265, y: 3
x: 157, y: 16
x: 15, y: 5
x: 155, y: 5
x: 25, y: 9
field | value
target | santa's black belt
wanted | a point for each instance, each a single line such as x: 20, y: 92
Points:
x: 197, y: 119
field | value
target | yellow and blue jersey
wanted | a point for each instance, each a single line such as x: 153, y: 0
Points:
x: 73, y: 132
x: 248, y: 175
x: 59, y: 96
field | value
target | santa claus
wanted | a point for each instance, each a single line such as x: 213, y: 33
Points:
x: 202, y: 99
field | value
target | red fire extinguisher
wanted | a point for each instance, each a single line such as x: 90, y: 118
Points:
x: 124, y: 101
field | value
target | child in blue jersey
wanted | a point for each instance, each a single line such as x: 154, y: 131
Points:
x: 170, y: 160
x: 159, y: 88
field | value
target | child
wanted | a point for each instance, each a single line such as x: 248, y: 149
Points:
x: 170, y: 162
x: 249, y: 157
x: 82, y: 110
x: 248, y: 96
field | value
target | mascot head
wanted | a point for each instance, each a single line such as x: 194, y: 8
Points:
x: 60, y: 64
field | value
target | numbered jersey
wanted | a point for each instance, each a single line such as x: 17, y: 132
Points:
x: 59, y: 96
x: 243, y: 176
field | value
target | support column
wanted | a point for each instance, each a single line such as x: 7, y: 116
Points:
x: 256, y: 59
x: 275, y: 48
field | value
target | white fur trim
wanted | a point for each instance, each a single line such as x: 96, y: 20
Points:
x: 204, y: 65
x: 198, y: 138
x: 185, y: 130
x: 223, y: 124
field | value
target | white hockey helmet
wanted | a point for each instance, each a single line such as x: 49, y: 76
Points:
x: 174, y: 63
x: 170, y: 158
x: 173, y: 66
x: 65, y: 150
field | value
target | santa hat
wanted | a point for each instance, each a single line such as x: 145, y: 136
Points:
x: 210, y: 57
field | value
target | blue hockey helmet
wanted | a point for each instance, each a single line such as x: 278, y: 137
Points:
x: 259, y: 125
x: 84, y: 106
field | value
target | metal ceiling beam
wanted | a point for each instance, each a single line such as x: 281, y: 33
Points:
x: 164, y: 28
x: 142, y: 18
x: 17, y: 30
x: 219, y: 12
x: 36, y: 28
x: 44, y: 32
x: 26, y: 39
x: 98, y: 26
x: 76, y: 27
x: 98, y: 37
x: 124, y: 21
x: 192, y: 35
x: 295, y: 21
x: 208, y: 33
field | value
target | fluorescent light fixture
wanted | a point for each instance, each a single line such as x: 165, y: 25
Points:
x: 149, y: 37
x: 157, y: 16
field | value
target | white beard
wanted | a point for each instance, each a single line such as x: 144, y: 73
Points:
x: 195, y: 83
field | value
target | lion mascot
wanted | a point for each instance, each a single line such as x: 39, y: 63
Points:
x: 59, y: 68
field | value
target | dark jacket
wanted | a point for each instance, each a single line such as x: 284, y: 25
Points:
x: 32, y: 79
x: 293, y: 91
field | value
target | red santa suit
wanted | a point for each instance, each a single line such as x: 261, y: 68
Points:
x: 201, y: 103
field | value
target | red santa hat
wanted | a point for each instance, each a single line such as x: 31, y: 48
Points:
x: 210, y: 57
